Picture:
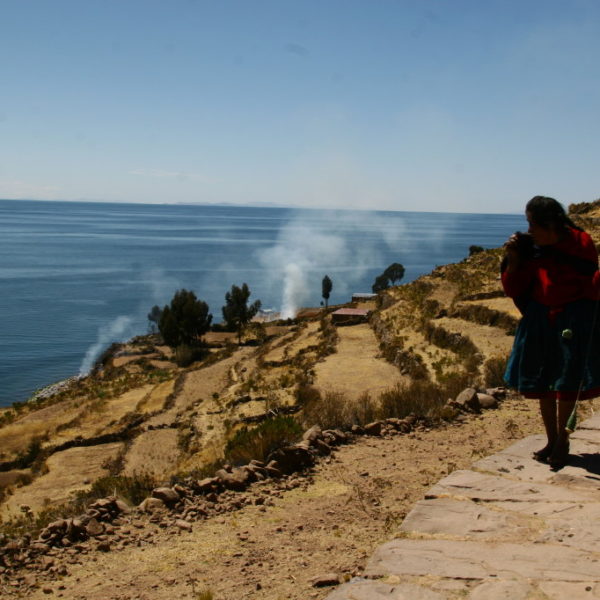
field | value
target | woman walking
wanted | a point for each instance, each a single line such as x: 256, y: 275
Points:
x: 552, y: 275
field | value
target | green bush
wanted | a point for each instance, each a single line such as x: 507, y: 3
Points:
x: 259, y: 442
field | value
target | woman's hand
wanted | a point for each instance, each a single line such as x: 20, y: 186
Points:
x: 511, y: 247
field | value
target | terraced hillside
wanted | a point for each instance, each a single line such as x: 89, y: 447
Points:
x: 141, y: 416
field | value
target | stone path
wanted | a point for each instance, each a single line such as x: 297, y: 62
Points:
x: 510, y: 528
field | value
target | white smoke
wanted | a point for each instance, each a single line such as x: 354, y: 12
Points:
x: 311, y: 246
x: 113, y: 332
x: 294, y: 290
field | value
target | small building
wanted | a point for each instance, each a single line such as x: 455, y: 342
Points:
x: 350, y: 316
x: 363, y: 297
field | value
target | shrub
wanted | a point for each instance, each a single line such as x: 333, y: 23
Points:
x: 132, y: 489
x: 478, y: 313
x: 493, y: 371
x: 260, y: 441
x: 475, y: 250
x: 329, y: 411
x: 455, y: 342
x: 363, y: 410
x: 32, y: 456
x: 423, y: 398
x: 185, y: 355
x: 307, y: 394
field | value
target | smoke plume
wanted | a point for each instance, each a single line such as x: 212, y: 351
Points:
x: 313, y: 245
x: 113, y: 332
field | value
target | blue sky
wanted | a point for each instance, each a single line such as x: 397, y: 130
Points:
x: 455, y: 105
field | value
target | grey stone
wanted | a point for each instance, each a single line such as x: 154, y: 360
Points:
x: 123, y: 507
x: 373, y: 428
x: 489, y: 488
x: 208, y: 484
x: 339, y: 437
x: 501, y: 590
x: 467, y: 400
x: 481, y: 560
x: 455, y: 517
x: 150, y: 505
x: 487, y: 401
x: 581, y: 590
x: 578, y: 527
x: 238, y: 479
x: 517, y: 461
x: 322, y: 447
x: 183, y: 525
x: 166, y: 494
x: 292, y: 458
x: 374, y: 590
x: 498, y: 392
x: 94, y: 528
x: 587, y: 435
x: 312, y: 434
x: 326, y: 580
x: 591, y: 423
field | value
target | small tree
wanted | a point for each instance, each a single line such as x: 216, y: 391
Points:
x: 381, y: 283
x: 395, y: 272
x: 185, y: 320
x: 154, y: 318
x: 326, y: 287
x: 236, y: 312
x: 475, y: 250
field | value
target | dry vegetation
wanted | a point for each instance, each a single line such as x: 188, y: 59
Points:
x: 139, y: 417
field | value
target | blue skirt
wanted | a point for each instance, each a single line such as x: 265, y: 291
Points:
x: 557, y: 357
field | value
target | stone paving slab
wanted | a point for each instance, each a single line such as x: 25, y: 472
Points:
x: 488, y: 488
x: 558, y: 590
x: 480, y: 560
x: 373, y: 590
x: 460, y: 518
x: 501, y: 590
x: 511, y: 529
x: 590, y: 435
x: 591, y: 423
x: 516, y: 461
x: 577, y: 527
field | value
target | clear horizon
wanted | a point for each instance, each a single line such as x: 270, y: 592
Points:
x: 438, y: 106
x: 257, y: 205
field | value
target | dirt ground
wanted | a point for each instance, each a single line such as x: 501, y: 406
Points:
x: 331, y: 521
x: 355, y: 368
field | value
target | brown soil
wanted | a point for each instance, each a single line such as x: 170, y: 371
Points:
x: 331, y: 522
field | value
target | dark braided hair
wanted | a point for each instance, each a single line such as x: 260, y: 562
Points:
x: 549, y: 213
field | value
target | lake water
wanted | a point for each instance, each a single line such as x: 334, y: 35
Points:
x: 76, y: 276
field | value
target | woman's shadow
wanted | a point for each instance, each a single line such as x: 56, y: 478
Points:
x: 587, y: 462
